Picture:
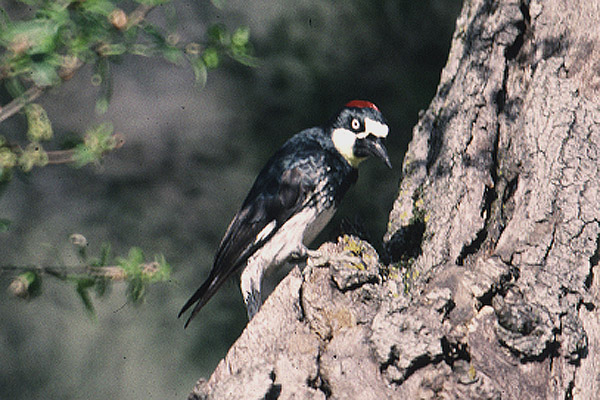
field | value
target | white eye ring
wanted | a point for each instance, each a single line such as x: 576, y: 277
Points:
x: 355, y: 124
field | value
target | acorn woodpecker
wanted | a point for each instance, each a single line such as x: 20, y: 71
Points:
x: 293, y: 198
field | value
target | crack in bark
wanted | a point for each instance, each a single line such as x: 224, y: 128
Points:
x: 436, y: 136
x: 499, y: 286
x: 504, y: 185
x: 489, y: 196
x: 275, y: 390
x: 490, y: 193
x: 550, y: 246
x: 319, y: 382
x: 569, y: 391
x: 510, y: 188
x: 357, y: 285
x: 416, y: 364
x: 497, y: 191
x: 594, y: 259
x: 512, y: 51
x: 302, y: 316
x: 453, y: 352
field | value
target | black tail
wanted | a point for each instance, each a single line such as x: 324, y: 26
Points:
x: 218, y: 275
x: 202, y: 295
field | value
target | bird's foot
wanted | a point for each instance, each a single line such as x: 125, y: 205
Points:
x: 318, y: 259
x: 301, y: 254
x: 309, y: 257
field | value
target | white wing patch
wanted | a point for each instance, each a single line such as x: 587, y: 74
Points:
x: 265, y: 231
x: 374, y: 128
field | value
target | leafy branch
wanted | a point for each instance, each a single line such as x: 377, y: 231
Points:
x: 47, y: 48
x: 94, y: 274
x: 65, y: 35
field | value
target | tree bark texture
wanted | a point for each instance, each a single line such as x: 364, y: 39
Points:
x: 490, y: 289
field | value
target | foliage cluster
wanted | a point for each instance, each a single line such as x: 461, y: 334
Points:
x: 50, y: 42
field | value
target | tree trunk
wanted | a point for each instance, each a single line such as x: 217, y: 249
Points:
x: 490, y: 291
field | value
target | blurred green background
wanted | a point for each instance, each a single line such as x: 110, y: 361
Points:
x: 189, y: 159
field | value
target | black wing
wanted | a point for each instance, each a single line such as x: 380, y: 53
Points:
x: 280, y: 190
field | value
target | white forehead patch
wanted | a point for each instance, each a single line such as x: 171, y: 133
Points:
x: 374, y: 128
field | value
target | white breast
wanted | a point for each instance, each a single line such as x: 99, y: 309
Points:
x: 292, y: 237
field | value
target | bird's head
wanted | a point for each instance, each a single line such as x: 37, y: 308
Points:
x: 359, y: 131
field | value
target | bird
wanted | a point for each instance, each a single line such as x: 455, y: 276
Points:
x: 292, y: 199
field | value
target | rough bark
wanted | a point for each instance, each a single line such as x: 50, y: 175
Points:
x: 493, y: 241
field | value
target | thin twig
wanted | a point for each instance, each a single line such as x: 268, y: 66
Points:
x: 14, y: 106
x: 20, y: 286
x: 112, y: 272
x: 68, y: 156
x: 60, y: 156
x: 138, y: 15
x: 70, y: 67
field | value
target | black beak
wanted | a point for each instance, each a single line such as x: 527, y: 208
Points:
x: 373, y: 146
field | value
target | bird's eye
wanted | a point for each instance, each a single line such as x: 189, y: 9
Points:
x: 355, y: 124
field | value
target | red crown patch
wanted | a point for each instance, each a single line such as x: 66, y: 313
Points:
x: 362, y: 104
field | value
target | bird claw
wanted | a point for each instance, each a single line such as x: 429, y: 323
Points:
x: 299, y: 255
x: 312, y: 258
x: 318, y: 259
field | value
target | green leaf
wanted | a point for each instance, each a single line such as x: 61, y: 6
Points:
x: 240, y: 37
x: 136, y: 290
x: 14, y: 87
x: 102, y: 7
x: 82, y: 286
x: 152, y: 2
x: 142, y: 50
x: 132, y: 264
x: 102, y: 104
x: 38, y: 123
x: 104, y: 255
x: 210, y: 57
x: 102, y: 72
x: 218, y: 34
x: 44, y: 74
x: 139, y: 274
x: 98, y: 140
x: 8, y: 159
x: 5, y: 177
x: 163, y: 271
x: 200, y: 71
x: 155, y: 34
x: 33, y: 156
x: 37, y: 36
x: 172, y: 54
x: 243, y: 57
x: 114, y: 49
x: 5, y: 224
x: 101, y: 286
